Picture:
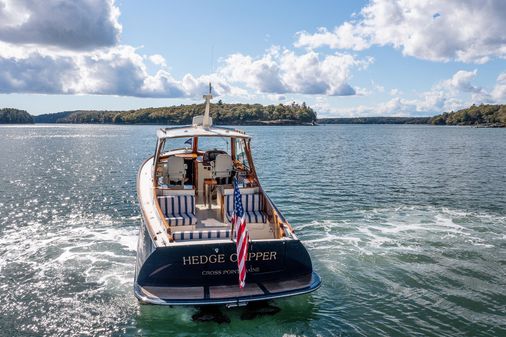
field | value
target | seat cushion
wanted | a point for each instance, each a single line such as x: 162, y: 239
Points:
x: 251, y: 217
x: 255, y: 217
x: 201, y: 235
x: 177, y: 204
x: 182, y: 220
x: 252, y: 205
x: 179, y: 210
x: 252, y: 202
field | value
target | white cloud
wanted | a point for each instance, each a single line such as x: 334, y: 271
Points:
x: 499, y: 92
x: 281, y: 71
x: 72, y: 47
x: 262, y: 74
x: 455, y: 93
x: 276, y: 97
x: 119, y: 70
x: 343, y: 37
x: 394, y: 92
x: 158, y: 60
x: 463, y: 30
x: 36, y: 73
x: 76, y: 24
x: 461, y: 82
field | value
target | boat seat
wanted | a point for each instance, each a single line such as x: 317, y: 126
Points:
x: 252, y: 204
x: 222, y: 168
x: 202, y: 235
x: 179, y: 210
x: 175, y: 170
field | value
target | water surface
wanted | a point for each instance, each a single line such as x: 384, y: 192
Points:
x: 405, y: 224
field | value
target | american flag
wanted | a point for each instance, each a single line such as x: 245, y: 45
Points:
x: 242, y: 237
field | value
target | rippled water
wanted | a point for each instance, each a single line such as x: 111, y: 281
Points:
x: 405, y: 224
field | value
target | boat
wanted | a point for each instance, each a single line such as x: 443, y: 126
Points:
x: 186, y: 252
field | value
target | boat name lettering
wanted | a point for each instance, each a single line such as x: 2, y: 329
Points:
x: 220, y: 258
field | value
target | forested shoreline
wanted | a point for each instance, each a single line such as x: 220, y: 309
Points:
x: 15, y: 116
x: 229, y: 114
x: 485, y: 115
x: 480, y: 115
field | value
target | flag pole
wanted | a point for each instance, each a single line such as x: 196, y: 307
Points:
x: 233, y: 231
x: 233, y: 222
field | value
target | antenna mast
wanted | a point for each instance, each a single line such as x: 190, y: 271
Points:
x: 207, y: 121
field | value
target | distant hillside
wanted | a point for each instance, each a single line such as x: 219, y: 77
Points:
x: 222, y: 114
x: 51, y: 117
x: 375, y: 120
x: 15, y: 116
x: 485, y: 115
x: 253, y: 114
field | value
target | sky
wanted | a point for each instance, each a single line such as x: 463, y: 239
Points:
x: 343, y: 58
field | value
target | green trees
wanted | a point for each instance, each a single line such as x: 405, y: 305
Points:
x: 486, y: 114
x: 15, y: 116
x: 375, y: 120
x: 222, y: 114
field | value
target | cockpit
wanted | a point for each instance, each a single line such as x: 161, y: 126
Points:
x: 193, y: 182
x: 200, y: 161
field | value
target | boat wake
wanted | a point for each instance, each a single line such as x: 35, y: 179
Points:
x: 378, y: 231
x: 438, y: 262
x: 70, y: 275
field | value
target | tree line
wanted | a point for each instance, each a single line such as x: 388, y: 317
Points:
x: 230, y: 114
x: 183, y: 114
x: 375, y: 120
x: 15, y: 116
x: 484, y: 114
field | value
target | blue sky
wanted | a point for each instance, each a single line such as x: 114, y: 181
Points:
x: 345, y: 58
x: 187, y: 32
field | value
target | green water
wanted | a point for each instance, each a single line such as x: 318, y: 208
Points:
x: 405, y: 224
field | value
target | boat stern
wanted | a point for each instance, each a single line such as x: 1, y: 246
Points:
x: 205, y: 274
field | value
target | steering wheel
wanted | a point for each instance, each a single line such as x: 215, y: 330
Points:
x: 210, y: 156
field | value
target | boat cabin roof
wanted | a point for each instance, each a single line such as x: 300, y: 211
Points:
x: 200, y: 131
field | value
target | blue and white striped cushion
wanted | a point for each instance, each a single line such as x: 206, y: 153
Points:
x: 182, y: 220
x: 252, y: 202
x: 177, y: 204
x: 253, y: 208
x: 179, y: 210
x: 255, y: 217
x: 201, y: 235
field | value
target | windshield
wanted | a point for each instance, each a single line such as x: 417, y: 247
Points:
x: 204, y: 144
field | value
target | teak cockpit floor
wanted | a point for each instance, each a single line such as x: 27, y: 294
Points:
x: 209, y: 218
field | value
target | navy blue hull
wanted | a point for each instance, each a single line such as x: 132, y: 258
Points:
x: 207, y: 271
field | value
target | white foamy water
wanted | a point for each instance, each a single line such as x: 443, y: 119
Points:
x: 378, y: 231
x: 87, y: 257
x: 438, y: 258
